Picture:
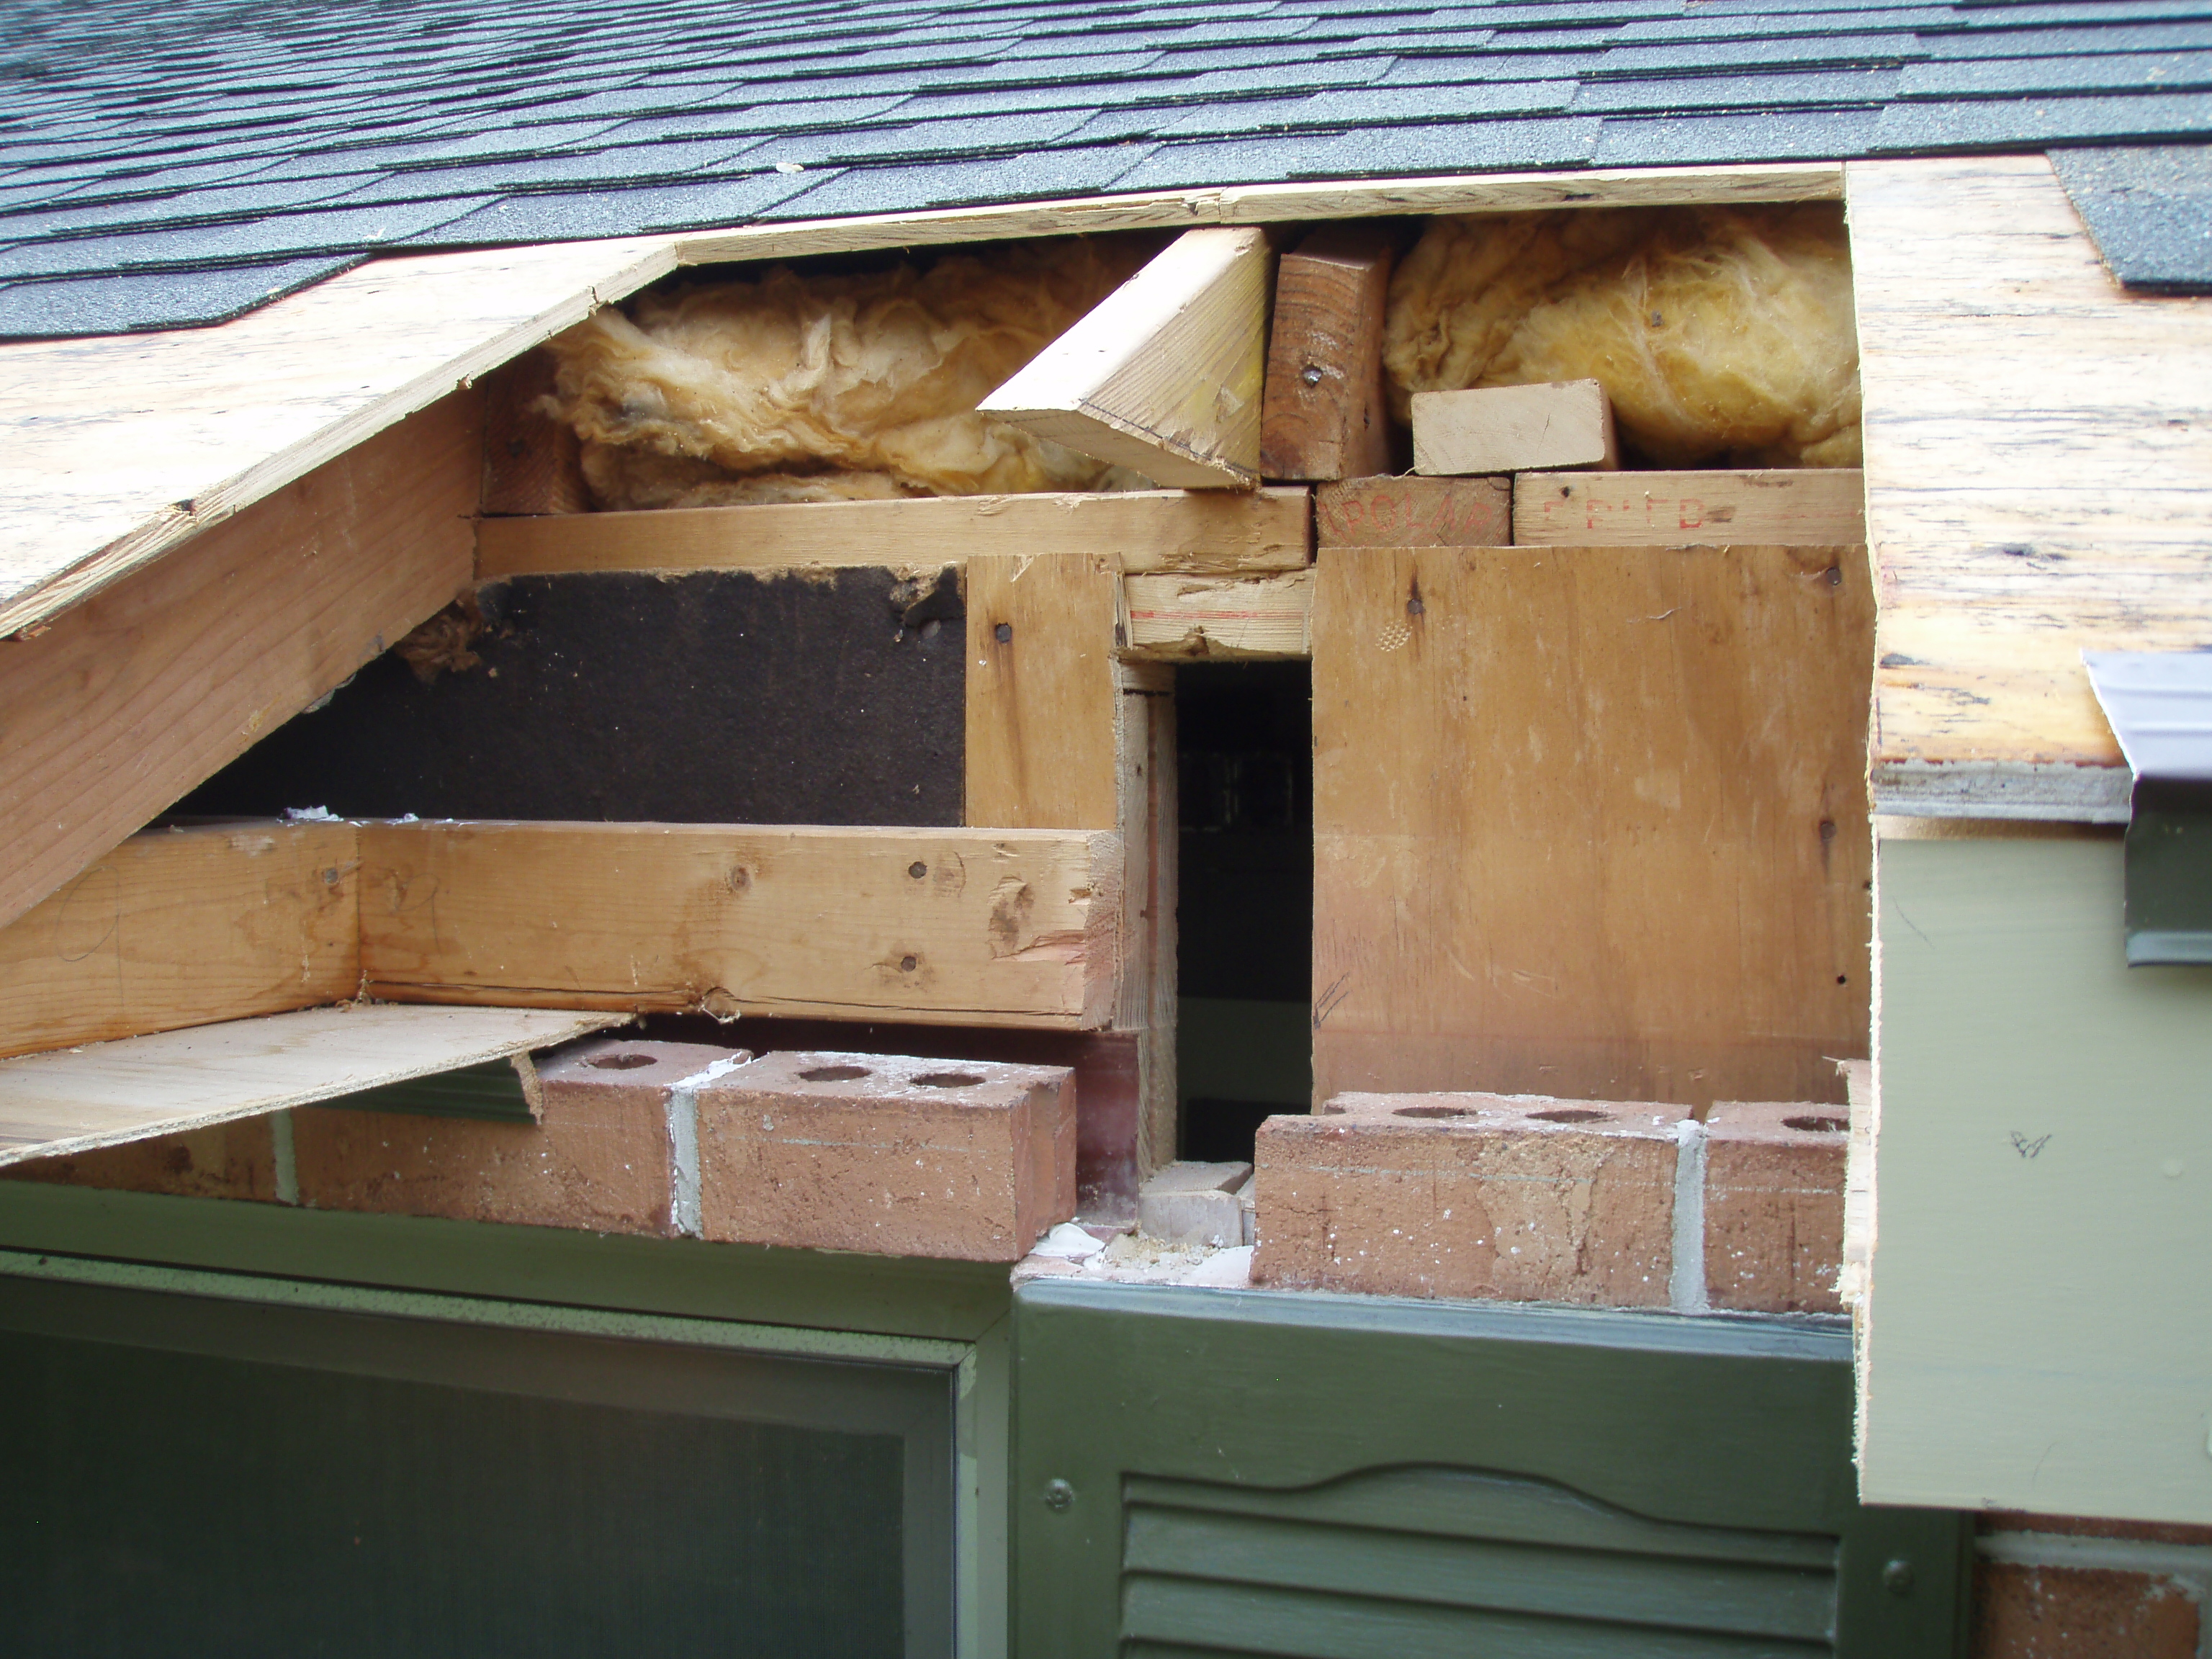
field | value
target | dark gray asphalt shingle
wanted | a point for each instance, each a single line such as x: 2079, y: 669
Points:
x: 127, y: 305
x: 212, y: 138
x: 2149, y: 210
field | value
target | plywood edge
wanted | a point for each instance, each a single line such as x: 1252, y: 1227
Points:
x: 634, y: 261
x: 1343, y: 198
x: 106, y: 1094
x: 2053, y: 791
x: 1267, y: 529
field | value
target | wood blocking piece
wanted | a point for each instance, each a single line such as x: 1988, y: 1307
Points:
x: 1165, y: 374
x: 1514, y: 429
x: 1195, y: 1204
x: 182, y: 927
x: 1805, y: 506
x: 122, y: 704
x: 1324, y: 413
x: 1041, y: 703
x: 720, y: 697
x: 1515, y: 1198
x: 1183, y: 617
x: 1204, y: 532
x: 1591, y: 820
x: 963, y: 928
x: 971, y: 1160
x: 601, y: 1157
x: 1774, y: 1205
x: 532, y: 462
x: 1386, y: 512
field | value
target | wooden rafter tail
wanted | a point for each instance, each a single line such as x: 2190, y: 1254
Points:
x: 1325, y: 415
x: 1165, y: 375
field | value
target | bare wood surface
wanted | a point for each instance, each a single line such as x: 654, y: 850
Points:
x: 1041, y: 703
x: 182, y: 927
x: 942, y: 926
x: 2038, y: 478
x: 1392, y: 512
x: 116, y: 450
x: 1178, y: 617
x: 1806, y: 506
x: 109, y: 1093
x: 1514, y: 429
x: 1213, y: 530
x: 1324, y: 415
x: 1252, y: 204
x: 1593, y: 825
x: 533, y: 463
x: 1146, y: 789
x: 1164, y: 375
x: 126, y: 701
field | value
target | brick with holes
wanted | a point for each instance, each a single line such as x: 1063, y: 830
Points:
x: 1774, y: 1205
x: 971, y: 1160
x: 1519, y: 1198
x: 598, y: 1157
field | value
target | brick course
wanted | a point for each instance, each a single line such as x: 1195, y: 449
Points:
x: 1516, y: 1197
x: 888, y: 1154
x: 1774, y: 1205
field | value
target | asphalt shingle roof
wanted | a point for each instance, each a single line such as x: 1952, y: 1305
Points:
x: 180, y: 161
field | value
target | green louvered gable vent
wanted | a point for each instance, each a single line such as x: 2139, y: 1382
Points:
x: 1454, y: 1562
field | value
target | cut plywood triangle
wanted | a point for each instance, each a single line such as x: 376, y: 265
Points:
x: 72, y: 1100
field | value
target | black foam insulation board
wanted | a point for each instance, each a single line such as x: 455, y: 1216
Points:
x: 2148, y: 208
x: 831, y: 697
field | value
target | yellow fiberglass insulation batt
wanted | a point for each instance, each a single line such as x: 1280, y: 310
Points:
x: 1721, y: 334
x: 793, y: 388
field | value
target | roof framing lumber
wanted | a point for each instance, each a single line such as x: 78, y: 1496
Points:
x: 180, y: 927
x: 125, y: 702
x: 931, y: 927
x: 1213, y: 531
x: 75, y: 1100
x: 117, y: 450
x: 1164, y: 375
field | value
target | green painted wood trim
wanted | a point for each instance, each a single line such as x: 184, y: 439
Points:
x: 815, y: 1289
x: 1718, y: 1423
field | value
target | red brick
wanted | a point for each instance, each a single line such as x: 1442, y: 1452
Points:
x: 1516, y: 1197
x: 599, y: 1159
x: 224, y: 1160
x: 888, y: 1154
x: 2076, y: 1613
x: 1774, y: 1205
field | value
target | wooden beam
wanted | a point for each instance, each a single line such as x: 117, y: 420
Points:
x: 983, y: 928
x: 1802, y: 507
x: 1514, y: 429
x: 1213, y: 531
x: 126, y: 701
x: 532, y: 463
x: 1165, y: 374
x: 1188, y: 617
x: 180, y: 928
x: 1324, y: 413
x: 1591, y: 820
x: 1061, y: 736
x: 1387, y: 511
x: 77, y: 1099
x: 1041, y: 701
x: 2037, y: 482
